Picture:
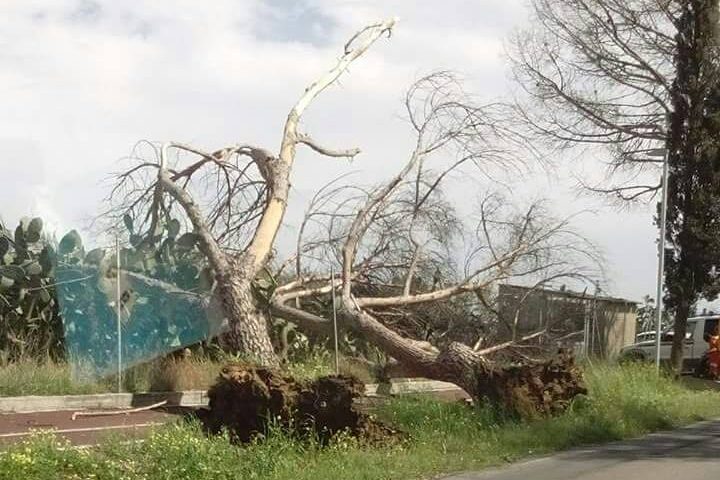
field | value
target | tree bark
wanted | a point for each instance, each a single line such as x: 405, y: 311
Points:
x: 682, y: 312
x: 248, y: 324
x: 532, y: 389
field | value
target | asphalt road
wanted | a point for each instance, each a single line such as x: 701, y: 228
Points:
x: 691, y: 453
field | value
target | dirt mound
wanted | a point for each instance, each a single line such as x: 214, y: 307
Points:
x: 247, y: 401
x: 534, y: 389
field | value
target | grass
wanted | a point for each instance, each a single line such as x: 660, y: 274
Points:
x: 623, y: 402
x: 29, y: 377
x: 320, y: 361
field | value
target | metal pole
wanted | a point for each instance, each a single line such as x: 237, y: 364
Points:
x: 586, y: 338
x: 118, y: 313
x: 335, y: 330
x: 594, y: 321
x: 661, y: 263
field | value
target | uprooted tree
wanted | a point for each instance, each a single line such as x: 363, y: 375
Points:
x: 391, y: 246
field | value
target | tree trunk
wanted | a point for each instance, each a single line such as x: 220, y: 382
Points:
x: 682, y: 312
x: 531, y: 389
x: 248, y: 332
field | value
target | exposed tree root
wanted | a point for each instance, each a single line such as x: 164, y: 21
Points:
x: 248, y: 401
x: 534, y: 389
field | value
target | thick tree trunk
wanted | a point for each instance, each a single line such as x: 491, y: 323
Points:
x: 682, y: 312
x: 530, y: 389
x: 248, y: 325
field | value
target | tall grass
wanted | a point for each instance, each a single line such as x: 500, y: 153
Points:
x: 623, y: 402
x: 317, y: 362
x: 171, y: 375
x: 30, y: 377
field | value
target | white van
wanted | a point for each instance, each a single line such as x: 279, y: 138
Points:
x: 699, y: 330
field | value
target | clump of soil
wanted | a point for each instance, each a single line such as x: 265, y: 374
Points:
x: 247, y: 400
x: 533, y: 390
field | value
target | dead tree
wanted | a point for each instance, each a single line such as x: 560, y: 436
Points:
x: 395, y: 233
x: 234, y: 199
x: 386, y: 235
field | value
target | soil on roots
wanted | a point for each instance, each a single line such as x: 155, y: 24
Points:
x: 248, y: 401
x: 534, y: 389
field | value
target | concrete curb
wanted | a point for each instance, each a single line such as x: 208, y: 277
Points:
x: 188, y: 398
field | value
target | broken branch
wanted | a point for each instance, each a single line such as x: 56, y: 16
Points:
x: 307, y: 140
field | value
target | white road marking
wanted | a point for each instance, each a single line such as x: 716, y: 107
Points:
x: 78, y: 430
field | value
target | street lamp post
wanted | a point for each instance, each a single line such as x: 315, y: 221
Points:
x: 661, y: 253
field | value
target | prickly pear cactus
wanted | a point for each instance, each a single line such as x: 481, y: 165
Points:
x: 166, y: 255
x: 29, y: 321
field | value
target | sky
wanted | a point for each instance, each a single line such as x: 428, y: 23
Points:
x: 82, y: 81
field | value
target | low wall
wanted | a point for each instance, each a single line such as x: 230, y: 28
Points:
x: 189, y: 398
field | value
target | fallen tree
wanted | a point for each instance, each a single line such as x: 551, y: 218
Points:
x: 391, y: 235
x: 405, y: 225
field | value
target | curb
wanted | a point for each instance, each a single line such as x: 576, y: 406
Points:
x: 188, y: 398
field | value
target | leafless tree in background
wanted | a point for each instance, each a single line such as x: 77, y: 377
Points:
x: 634, y: 76
x: 598, y: 74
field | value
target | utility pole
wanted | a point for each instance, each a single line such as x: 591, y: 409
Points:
x: 661, y: 255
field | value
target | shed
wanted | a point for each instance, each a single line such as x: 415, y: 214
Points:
x: 601, y: 325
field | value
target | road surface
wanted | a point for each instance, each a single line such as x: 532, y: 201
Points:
x: 691, y: 453
x: 15, y: 427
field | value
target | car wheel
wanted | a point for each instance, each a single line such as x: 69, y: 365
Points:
x: 702, y: 370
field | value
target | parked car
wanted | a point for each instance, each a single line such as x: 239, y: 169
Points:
x: 644, y: 337
x: 699, y: 330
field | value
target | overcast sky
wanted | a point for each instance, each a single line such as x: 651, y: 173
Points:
x: 83, y: 81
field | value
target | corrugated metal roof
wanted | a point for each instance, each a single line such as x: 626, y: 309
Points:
x: 572, y: 294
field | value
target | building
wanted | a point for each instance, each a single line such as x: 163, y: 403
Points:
x: 598, y: 325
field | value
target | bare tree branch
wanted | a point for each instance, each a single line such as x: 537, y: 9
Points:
x: 597, y: 73
x: 307, y: 140
x: 269, y: 224
x: 502, y: 346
